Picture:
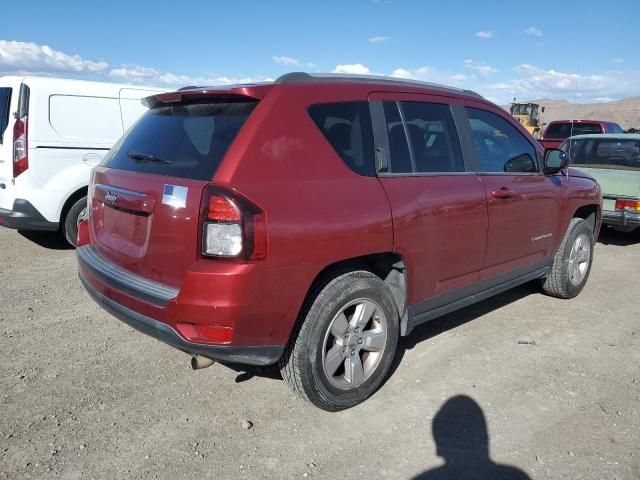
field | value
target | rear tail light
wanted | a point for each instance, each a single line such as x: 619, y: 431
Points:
x: 623, y: 204
x: 20, y: 146
x: 232, y: 226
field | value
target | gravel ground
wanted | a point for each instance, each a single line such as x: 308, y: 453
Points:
x: 85, y: 396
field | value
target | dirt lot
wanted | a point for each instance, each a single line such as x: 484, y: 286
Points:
x: 84, y: 396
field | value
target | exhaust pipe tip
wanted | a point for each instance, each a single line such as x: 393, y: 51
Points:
x: 198, y: 362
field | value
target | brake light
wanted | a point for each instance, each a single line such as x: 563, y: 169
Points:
x: 623, y: 204
x: 20, y: 146
x: 232, y: 226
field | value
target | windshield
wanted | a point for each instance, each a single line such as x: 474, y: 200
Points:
x: 623, y: 154
x: 5, y: 105
x: 180, y: 140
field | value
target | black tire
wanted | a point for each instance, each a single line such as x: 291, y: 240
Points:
x: 559, y: 283
x: 70, y: 224
x: 302, y: 363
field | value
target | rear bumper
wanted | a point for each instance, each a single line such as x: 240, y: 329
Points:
x: 259, y: 355
x: 621, y: 219
x: 24, y: 216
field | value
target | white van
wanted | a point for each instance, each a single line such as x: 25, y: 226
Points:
x: 52, y: 132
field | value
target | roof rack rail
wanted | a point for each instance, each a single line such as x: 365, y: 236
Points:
x: 189, y: 87
x: 302, y: 77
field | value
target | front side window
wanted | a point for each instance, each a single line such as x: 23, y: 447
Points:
x: 422, y: 138
x: 347, y: 127
x: 499, y: 145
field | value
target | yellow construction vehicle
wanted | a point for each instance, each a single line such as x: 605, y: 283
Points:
x: 529, y: 115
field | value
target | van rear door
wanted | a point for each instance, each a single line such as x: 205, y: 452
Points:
x: 145, y: 200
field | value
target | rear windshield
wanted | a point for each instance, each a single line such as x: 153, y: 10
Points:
x: 619, y: 154
x: 566, y: 130
x: 5, y: 102
x: 182, y: 140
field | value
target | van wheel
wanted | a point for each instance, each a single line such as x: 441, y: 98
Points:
x: 345, y: 344
x: 70, y: 224
x: 572, y: 263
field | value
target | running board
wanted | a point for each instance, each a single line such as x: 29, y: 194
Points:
x: 417, y: 319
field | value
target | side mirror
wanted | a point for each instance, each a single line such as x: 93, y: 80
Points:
x: 555, y: 160
x: 542, y: 109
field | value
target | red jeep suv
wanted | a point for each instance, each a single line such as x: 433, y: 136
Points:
x: 313, y: 220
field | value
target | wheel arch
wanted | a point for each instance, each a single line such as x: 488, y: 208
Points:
x: 388, y: 266
x: 73, y: 198
x: 590, y: 213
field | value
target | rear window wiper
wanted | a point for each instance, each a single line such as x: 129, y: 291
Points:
x: 145, y: 157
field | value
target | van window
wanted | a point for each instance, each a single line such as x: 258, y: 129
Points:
x: 347, y: 127
x: 499, y: 145
x: 186, y: 140
x: 85, y: 117
x: 5, y: 110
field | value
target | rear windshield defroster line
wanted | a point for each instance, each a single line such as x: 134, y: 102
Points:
x: 192, y: 137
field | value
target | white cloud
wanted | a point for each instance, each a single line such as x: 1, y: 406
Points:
x: 375, y: 40
x: 480, y: 67
x: 355, y: 69
x: 31, y: 57
x: 292, y: 62
x: 536, y: 82
x: 150, y: 76
x: 486, y: 34
x: 536, y: 32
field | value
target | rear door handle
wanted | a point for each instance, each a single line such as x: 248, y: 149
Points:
x: 504, y: 193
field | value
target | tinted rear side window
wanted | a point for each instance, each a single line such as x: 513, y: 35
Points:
x: 5, y: 103
x: 433, y: 136
x: 182, y: 140
x: 347, y: 127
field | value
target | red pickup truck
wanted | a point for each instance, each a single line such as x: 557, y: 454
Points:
x: 559, y: 130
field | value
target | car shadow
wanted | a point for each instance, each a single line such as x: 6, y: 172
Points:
x: 460, y: 433
x: 48, y: 240
x: 419, y: 334
x: 609, y: 236
x: 455, y: 319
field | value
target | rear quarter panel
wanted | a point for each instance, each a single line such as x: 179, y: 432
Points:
x: 318, y: 211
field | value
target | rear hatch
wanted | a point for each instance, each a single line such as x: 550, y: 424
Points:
x: 145, y: 197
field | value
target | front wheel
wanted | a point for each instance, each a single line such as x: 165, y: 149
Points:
x: 345, y: 344
x: 572, y: 263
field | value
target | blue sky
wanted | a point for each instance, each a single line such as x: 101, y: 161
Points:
x: 582, y: 51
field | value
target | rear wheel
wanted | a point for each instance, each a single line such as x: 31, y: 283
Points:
x: 346, y: 342
x: 572, y: 263
x: 71, y: 220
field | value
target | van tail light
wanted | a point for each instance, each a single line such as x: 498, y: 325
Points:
x: 627, y: 205
x: 20, y: 146
x: 232, y: 226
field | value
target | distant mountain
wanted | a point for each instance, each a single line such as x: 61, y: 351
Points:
x: 624, y: 112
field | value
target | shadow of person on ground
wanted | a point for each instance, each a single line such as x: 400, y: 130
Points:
x: 461, y: 437
x: 48, y: 240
